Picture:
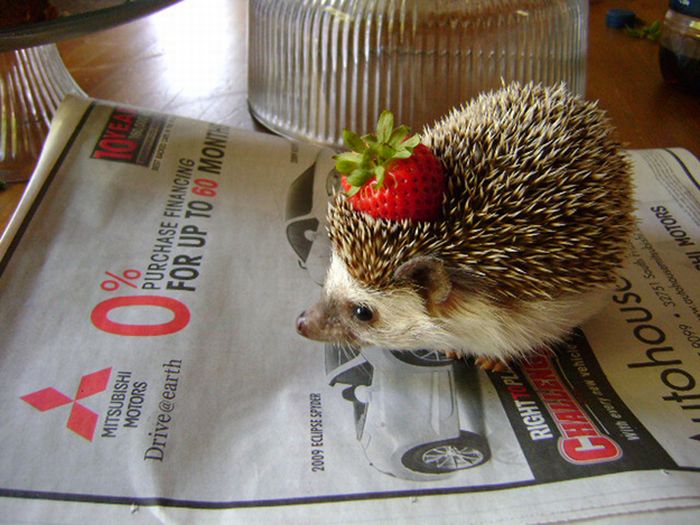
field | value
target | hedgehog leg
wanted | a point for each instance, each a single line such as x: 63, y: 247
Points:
x: 491, y: 364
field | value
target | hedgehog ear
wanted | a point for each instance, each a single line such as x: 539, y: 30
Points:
x: 429, y: 275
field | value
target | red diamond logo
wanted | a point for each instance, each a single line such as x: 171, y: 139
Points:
x: 92, y: 384
x: 46, y: 399
x: 82, y: 420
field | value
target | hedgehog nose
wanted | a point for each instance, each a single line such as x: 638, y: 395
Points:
x: 302, y: 324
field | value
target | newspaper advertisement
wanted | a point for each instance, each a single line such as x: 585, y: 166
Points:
x: 151, y: 371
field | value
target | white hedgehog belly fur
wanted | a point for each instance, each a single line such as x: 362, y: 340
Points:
x: 475, y: 326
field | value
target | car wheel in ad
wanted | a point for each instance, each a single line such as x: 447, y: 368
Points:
x: 439, y: 457
x: 422, y: 357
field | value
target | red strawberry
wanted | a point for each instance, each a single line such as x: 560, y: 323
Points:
x: 390, y: 176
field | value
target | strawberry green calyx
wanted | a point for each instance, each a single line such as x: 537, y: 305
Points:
x: 370, y: 155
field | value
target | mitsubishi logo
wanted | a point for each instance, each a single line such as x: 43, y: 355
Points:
x: 82, y: 420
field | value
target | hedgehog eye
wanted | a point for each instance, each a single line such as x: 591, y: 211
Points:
x: 362, y: 312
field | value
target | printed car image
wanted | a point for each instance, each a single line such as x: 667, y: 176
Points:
x: 307, y: 200
x: 406, y: 413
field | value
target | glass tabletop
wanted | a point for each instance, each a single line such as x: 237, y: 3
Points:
x: 63, y: 19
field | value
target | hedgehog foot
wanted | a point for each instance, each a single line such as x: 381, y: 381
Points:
x: 491, y: 364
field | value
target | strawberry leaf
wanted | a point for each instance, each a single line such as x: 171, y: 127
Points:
x: 353, y: 141
x: 412, y: 142
x: 398, y: 136
x: 349, y: 155
x: 386, y: 152
x: 403, y: 154
x: 353, y: 191
x: 379, y: 173
x: 359, y: 177
x: 385, y: 126
x: 345, y: 166
x: 347, y: 162
x: 370, y: 140
x: 368, y: 158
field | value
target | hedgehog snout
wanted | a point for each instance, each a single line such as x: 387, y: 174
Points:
x: 322, y: 322
x: 312, y: 322
x: 303, y: 324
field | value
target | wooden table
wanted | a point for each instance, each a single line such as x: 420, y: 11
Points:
x: 190, y: 60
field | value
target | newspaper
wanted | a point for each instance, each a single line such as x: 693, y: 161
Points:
x: 151, y: 371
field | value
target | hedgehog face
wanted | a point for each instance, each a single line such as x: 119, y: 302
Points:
x: 350, y: 312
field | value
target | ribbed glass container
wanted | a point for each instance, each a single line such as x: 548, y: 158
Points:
x: 33, y: 82
x: 319, y: 66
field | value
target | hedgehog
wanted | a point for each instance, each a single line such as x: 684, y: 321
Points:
x: 535, y: 221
